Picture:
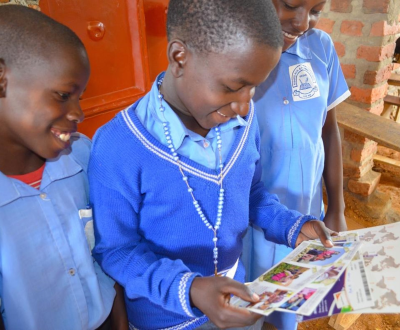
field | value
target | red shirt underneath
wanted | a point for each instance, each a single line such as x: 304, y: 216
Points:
x: 33, y: 178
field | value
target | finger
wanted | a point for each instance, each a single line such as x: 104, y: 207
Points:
x: 236, y: 317
x: 323, y: 233
x: 240, y: 290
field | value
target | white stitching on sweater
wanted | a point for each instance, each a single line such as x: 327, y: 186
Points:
x: 182, y: 293
x: 293, y: 229
x: 213, y: 178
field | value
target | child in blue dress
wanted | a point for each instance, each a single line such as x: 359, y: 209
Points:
x: 48, y: 278
x: 300, y: 141
x: 175, y: 178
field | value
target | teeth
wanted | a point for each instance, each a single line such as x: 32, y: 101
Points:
x: 289, y: 35
x: 64, y: 137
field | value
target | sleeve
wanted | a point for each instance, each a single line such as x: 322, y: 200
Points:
x: 120, y: 248
x: 280, y: 225
x: 338, y: 89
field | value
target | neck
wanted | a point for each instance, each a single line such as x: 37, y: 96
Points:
x: 170, y: 96
x: 18, y: 163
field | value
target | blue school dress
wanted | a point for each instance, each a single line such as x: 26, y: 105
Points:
x: 291, y: 108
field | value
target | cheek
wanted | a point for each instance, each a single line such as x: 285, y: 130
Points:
x: 313, y: 22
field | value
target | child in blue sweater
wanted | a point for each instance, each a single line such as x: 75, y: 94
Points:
x: 48, y: 278
x: 175, y: 178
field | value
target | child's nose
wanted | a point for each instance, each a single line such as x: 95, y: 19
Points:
x: 76, y: 114
x: 242, y: 107
x: 302, y: 21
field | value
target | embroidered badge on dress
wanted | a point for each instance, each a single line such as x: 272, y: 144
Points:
x: 303, y: 82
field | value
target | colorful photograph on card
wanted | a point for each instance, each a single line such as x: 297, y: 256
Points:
x: 319, y: 255
x: 329, y: 276
x: 298, y: 300
x: 270, y: 299
x: 283, y: 274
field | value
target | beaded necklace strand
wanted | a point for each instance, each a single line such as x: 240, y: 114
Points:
x: 185, y: 179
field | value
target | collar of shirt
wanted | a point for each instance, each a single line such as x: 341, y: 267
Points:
x: 179, y: 131
x: 61, y: 167
x: 301, y: 47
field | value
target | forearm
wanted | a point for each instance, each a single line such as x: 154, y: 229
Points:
x: 2, y: 327
x: 119, y: 319
x: 333, y: 169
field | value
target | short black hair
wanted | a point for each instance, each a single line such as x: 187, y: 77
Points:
x: 214, y: 25
x: 28, y: 36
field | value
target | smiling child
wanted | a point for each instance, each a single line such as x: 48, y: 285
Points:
x: 175, y: 177
x: 48, y: 278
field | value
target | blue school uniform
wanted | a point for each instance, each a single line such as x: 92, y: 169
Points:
x: 292, y: 106
x: 48, y: 278
x: 149, y: 235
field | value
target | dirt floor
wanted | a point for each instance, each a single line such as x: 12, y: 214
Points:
x: 364, y: 322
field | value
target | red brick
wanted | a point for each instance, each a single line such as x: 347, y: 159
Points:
x: 368, y: 95
x: 354, y: 138
x: 376, y: 6
x: 352, y: 28
x: 341, y: 6
x: 359, y: 155
x: 353, y: 171
x: 382, y: 28
x: 365, y: 185
x: 349, y: 70
x: 340, y: 49
x: 325, y: 24
x: 376, y: 77
x: 376, y: 54
x: 377, y: 109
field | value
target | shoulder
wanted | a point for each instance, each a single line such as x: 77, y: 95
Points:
x: 80, y: 146
x: 317, y: 38
x: 317, y: 34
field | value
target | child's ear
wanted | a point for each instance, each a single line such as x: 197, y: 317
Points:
x: 177, y: 56
x: 3, y: 80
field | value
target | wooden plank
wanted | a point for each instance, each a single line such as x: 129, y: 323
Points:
x: 391, y: 99
x: 384, y: 131
x: 394, y: 79
x: 345, y: 321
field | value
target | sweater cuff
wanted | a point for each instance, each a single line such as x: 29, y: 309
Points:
x: 184, y: 286
x: 294, y: 231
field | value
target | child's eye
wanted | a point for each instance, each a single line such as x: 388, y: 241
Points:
x: 289, y: 6
x: 316, y: 12
x: 231, y: 90
x: 64, y: 96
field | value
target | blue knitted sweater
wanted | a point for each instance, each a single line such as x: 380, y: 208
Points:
x: 149, y: 237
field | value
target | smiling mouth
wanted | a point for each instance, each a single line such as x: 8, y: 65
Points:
x: 63, y: 136
x: 290, y: 36
x: 221, y: 114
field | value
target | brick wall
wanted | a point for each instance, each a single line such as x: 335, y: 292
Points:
x: 364, y: 33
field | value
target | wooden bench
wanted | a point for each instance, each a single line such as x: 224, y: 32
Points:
x: 382, y: 130
x: 394, y: 79
x: 392, y: 100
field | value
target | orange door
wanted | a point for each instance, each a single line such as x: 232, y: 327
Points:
x: 115, y: 33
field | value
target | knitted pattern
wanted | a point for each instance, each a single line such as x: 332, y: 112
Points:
x: 149, y: 236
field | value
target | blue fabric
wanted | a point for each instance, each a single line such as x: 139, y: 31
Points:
x: 48, y: 279
x: 202, y: 150
x: 149, y: 236
x: 291, y: 108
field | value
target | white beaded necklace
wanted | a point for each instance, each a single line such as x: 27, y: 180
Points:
x: 186, y: 180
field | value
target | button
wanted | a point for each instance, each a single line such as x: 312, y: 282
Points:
x: 206, y: 144
x: 285, y: 102
x: 71, y: 272
x: 43, y: 196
